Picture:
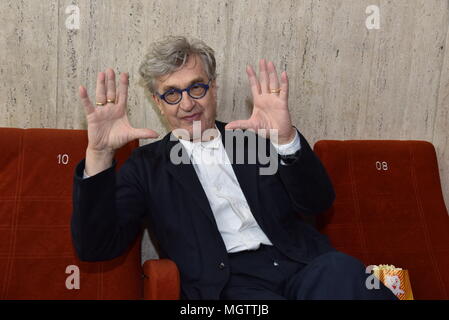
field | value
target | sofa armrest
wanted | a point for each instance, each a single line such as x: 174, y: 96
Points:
x: 161, y: 280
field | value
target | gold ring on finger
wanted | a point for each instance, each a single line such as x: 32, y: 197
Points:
x: 275, y: 90
x: 110, y: 101
x: 100, y: 104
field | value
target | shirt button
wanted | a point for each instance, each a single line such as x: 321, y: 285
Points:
x: 275, y: 263
x: 221, y: 265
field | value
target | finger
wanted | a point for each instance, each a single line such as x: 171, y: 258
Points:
x: 239, y: 124
x: 110, y: 84
x: 254, y: 83
x: 100, y: 91
x: 85, y: 101
x: 273, y: 76
x: 284, y: 86
x: 117, y: 90
x: 263, y: 76
x: 144, y: 134
x: 123, y: 88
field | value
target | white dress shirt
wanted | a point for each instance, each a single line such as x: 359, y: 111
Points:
x: 237, y: 225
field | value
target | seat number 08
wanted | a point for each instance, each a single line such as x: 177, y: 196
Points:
x: 382, y: 165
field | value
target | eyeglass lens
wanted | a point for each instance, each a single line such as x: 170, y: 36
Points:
x: 196, y: 91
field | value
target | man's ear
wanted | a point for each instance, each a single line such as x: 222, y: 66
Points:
x: 158, y: 103
x: 214, y: 88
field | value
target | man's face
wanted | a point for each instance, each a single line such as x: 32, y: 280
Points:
x: 204, y: 108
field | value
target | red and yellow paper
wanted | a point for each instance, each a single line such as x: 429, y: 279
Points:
x: 396, y: 279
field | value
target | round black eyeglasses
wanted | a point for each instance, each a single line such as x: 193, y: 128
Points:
x: 174, y: 96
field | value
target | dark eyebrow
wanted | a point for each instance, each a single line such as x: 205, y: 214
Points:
x: 196, y: 80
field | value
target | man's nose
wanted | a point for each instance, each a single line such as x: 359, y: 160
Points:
x: 187, y: 102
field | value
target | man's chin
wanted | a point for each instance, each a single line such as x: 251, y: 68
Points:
x: 193, y: 131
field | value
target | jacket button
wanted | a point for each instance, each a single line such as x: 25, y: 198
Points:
x: 221, y: 265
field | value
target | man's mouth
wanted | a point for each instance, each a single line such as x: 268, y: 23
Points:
x: 193, y: 117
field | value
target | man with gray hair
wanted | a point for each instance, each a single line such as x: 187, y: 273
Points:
x: 233, y: 232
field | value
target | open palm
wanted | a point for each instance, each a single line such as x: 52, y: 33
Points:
x: 108, y: 125
x: 270, y: 111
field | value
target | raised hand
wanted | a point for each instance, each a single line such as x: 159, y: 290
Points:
x: 270, y: 99
x: 108, y: 126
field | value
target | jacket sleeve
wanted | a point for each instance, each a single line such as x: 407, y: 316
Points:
x: 307, y: 182
x: 108, y: 211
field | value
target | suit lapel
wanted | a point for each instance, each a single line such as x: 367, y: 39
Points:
x: 185, y: 174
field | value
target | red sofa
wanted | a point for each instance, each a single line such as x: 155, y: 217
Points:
x: 37, y: 258
x: 389, y: 209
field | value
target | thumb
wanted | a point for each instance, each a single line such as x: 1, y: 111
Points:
x: 144, y: 134
x: 239, y: 124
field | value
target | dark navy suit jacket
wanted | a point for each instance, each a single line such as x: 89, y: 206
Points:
x: 110, y: 208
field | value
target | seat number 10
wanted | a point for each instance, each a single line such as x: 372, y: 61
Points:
x: 63, y: 158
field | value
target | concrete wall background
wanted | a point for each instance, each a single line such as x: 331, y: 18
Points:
x: 346, y: 81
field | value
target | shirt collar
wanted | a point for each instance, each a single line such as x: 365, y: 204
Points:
x: 211, y: 144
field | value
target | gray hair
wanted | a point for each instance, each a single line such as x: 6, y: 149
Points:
x: 170, y: 54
